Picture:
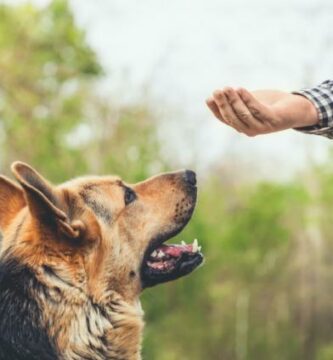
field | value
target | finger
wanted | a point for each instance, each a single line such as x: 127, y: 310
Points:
x: 257, y: 109
x: 228, y: 115
x: 214, y: 108
x: 242, y: 111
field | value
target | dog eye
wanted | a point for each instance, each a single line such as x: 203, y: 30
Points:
x: 130, y: 196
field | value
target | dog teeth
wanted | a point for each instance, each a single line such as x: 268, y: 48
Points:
x: 183, y: 242
x: 195, y: 246
x: 157, y: 254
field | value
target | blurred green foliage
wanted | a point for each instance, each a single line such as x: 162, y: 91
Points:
x: 265, y: 290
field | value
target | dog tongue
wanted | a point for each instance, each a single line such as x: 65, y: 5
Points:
x: 176, y: 250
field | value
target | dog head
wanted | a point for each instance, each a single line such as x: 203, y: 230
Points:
x: 100, y: 234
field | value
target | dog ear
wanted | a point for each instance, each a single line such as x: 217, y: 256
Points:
x: 44, y: 201
x: 11, y: 201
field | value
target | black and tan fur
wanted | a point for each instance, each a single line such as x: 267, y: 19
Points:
x: 71, y: 260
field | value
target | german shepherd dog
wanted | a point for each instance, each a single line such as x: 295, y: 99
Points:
x: 75, y: 258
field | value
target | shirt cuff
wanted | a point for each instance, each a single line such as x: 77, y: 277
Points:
x: 322, y: 98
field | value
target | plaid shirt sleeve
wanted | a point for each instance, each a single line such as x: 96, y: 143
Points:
x: 322, y: 98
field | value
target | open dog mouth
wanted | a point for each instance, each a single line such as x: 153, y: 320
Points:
x: 163, y: 262
x: 170, y: 262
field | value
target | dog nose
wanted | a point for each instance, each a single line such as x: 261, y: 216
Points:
x: 190, y: 177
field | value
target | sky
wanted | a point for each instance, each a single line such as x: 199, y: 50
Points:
x: 174, y: 54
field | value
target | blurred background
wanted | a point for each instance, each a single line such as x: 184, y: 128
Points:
x: 118, y: 86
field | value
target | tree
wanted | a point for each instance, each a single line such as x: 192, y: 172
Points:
x: 46, y: 70
x: 49, y: 113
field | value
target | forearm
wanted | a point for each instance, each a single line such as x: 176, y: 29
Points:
x: 294, y: 109
x: 297, y: 110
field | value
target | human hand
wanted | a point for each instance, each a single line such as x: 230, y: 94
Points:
x: 263, y: 111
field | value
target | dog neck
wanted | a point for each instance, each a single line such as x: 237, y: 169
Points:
x: 61, y: 320
x: 107, y: 328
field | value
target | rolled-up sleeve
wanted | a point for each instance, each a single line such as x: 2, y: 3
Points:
x: 322, y: 98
